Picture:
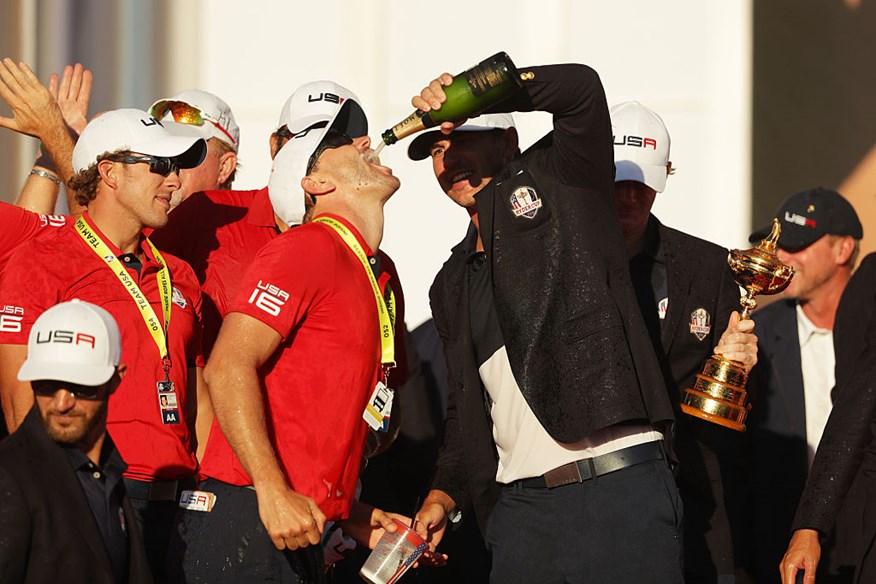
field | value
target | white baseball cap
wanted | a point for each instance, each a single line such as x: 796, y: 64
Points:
x: 206, y: 115
x: 641, y: 145
x: 136, y: 131
x: 419, y: 148
x: 74, y: 341
x: 308, y: 115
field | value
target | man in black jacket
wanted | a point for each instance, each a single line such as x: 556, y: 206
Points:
x: 796, y: 378
x: 64, y: 516
x: 557, y: 407
x: 847, y: 448
x: 686, y: 292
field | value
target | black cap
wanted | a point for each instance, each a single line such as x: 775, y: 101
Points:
x: 808, y: 215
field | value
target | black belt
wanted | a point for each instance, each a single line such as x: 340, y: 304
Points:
x: 157, y: 490
x: 588, y: 468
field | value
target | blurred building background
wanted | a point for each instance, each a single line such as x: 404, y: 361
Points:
x: 761, y: 98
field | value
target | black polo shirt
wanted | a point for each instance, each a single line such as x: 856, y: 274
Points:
x: 102, y: 485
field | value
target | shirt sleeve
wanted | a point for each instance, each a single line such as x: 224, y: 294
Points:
x: 286, y: 278
x: 19, y: 225
x: 25, y: 293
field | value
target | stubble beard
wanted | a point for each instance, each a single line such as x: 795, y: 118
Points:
x: 76, y: 432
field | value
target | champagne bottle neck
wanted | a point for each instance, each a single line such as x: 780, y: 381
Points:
x: 417, y: 121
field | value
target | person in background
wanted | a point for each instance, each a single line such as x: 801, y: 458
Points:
x: 686, y: 292
x: 820, y: 240
x: 206, y: 116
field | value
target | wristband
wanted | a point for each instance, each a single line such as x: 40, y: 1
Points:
x: 44, y: 174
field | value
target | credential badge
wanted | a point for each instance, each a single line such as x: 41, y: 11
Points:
x: 525, y: 202
x: 700, y: 323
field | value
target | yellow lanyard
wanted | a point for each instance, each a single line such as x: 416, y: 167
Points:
x: 103, y: 251
x: 385, y: 310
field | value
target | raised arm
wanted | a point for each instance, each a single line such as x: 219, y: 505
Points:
x: 36, y: 113
x: 72, y: 92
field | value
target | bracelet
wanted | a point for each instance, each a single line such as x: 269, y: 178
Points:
x: 44, y: 174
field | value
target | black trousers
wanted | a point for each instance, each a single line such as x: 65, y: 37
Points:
x: 156, y: 519
x: 230, y: 545
x: 621, y: 527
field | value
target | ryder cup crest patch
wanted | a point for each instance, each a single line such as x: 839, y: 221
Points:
x: 178, y: 299
x: 525, y: 202
x: 699, y: 323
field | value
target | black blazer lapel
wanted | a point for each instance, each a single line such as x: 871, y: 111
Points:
x: 678, y: 288
x: 788, y: 369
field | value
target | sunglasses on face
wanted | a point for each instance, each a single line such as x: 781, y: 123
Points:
x: 48, y: 388
x: 160, y: 165
x: 184, y: 113
x: 332, y: 139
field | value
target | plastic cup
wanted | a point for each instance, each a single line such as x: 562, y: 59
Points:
x: 393, y: 555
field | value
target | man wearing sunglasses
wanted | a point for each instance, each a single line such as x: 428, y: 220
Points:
x: 65, y: 514
x: 207, y: 116
x: 127, y: 166
x: 285, y: 453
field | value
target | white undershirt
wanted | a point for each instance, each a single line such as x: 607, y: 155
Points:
x: 525, y: 448
x: 817, y: 361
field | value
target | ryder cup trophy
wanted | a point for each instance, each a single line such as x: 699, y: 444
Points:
x: 718, y: 395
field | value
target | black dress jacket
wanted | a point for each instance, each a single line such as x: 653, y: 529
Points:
x: 711, y: 471
x: 572, y: 328
x: 47, y: 529
x: 848, y: 445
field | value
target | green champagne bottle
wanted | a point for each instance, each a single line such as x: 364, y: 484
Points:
x: 472, y: 91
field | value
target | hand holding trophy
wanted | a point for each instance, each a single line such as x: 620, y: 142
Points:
x: 718, y: 395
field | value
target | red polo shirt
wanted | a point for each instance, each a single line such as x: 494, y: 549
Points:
x: 60, y: 266
x: 311, y: 288
x: 218, y: 233
x: 18, y: 225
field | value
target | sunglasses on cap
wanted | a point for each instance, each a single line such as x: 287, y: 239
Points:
x: 160, y: 165
x: 332, y: 139
x: 49, y: 387
x: 184, y: 113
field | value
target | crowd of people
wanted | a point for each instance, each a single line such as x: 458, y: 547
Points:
x: 194, y: 378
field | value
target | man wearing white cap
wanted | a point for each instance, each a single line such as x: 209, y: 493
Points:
x: 65, y: 514
x: 685, y: 290
x: 220, y: 232
x: 127, y: 166
x: 298, y: 374
x: 207, y: 116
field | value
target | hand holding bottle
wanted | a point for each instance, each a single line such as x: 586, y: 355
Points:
x: 466, y: 95
x: 433, y: 97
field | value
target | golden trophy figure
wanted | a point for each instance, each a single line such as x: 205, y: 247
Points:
x: 718, y: 395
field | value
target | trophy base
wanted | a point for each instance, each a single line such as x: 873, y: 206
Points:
x: 718, y: 395
x: 721, y: 421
